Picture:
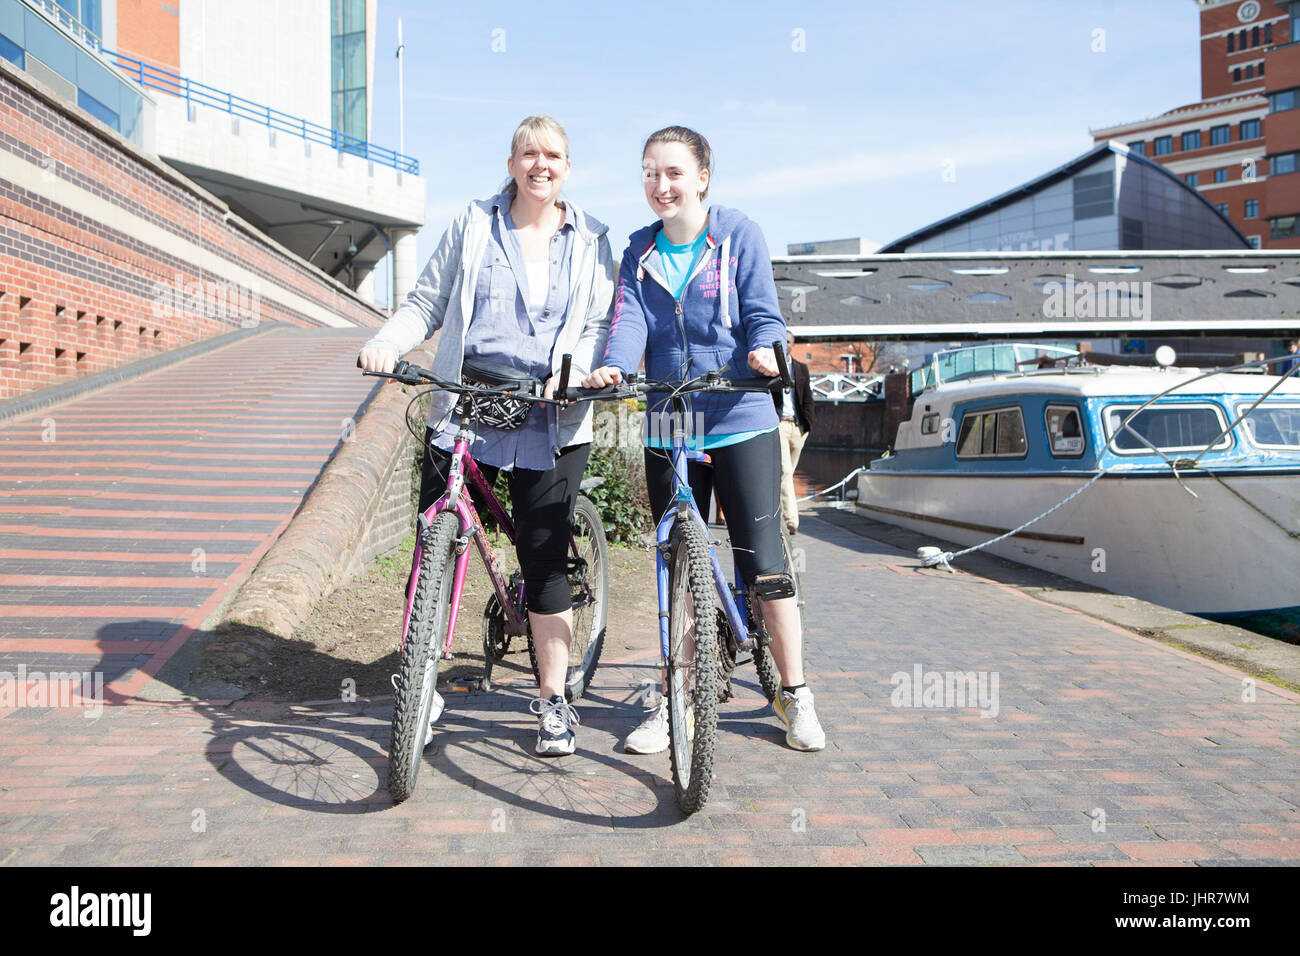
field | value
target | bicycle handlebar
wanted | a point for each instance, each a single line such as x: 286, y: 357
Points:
x: 709, y: 382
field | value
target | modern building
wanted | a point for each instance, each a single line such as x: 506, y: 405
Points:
x: 1238, y: 145
x: 1108, y: 198
x: 266, y: 105
x: 833, y: 247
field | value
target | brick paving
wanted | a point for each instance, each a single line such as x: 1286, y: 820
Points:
x: 128, y: 516
x: 1106, y: 749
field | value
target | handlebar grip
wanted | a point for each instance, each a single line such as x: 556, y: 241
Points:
x: 577, y: 394
x: 778, y: 349
x: 564, y: 375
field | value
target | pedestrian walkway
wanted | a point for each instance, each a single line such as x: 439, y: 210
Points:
x: 128, y: 516
x: 1094, y: 746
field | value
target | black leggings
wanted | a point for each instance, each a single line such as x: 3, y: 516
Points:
x: 747, y: 479
x: 542, y: 502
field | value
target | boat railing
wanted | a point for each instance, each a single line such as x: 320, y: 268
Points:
x: 977, y: 361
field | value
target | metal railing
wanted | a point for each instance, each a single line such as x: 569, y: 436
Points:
x: 66, y: 22
x: 155, y: 78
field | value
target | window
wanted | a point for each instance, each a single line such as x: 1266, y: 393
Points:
x: 1232, y: 42
x: 1164, y: 145
x: 12, y: 52
x: 1220, y: 134
x: 1192, y: 179
x: 1250, y: 129
x: 1222, y: 209
x: 1236, y: 74
x: 1064, y: 433
x: 1252, y: 208
x: 1295, y: 23
x: 348, y: 71
x: 1094, y: 195
x: 1282, y: 227
x: 1254, y: 241
x: 930, y: 424
x: 1241, y: 38
x: 1282, y: 164
x: 1220, y: 175
x: 1140, y: 147
x: 1250, y: 71
x: 1254, y: 36
x: 1261, y: 67
x: 1282, y: 100
x: 1272, y: 426
x: 1192, y: 139
x: 998, y: 433
x: 1268, y: 33
x: 1168, y: 427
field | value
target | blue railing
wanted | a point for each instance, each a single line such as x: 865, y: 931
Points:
x: 156, y: 78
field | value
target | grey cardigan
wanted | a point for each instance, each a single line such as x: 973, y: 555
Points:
x: 443, y: 299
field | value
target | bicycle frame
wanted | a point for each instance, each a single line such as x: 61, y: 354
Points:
x: 687, y: 510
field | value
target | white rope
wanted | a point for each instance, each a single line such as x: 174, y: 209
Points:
x: 851, y: 475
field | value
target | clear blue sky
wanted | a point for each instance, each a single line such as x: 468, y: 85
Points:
x: 848, y: 138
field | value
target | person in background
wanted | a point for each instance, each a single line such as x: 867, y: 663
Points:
x: 1293, y: 361
x: 795, y: 406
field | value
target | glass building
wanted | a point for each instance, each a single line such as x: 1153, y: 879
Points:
x: 1109, y: 198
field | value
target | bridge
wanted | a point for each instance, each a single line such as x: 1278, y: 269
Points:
x: 921, y: 296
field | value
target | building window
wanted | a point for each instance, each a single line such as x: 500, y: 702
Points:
x: 1094, y: 195
x: 1283, y: 227
x: 12, y: 52
x: 1250, y: 71
x: 348, y: 73
x: 1295, y: 23
x: 1192, y: 139
x: 1164, y: 145
x: 1261, y: 67
x: 1220, y: 175
x: 1282, y: 163
x: 1192, y: 179
x: 1236, y: 74
x: 1220, y: 134
x: 1283, y: 100
x: 1140, y: 147
x: 1222, y: 209
x: 1254, y: 36
x: 1268, y: 33
x: 1232, y: 42
x: 1241, y: 38
x: 1252, y: 208
x: 1254, y: 241
x: 1250, y: 129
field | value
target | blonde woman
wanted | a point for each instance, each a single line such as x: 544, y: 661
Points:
x: 520, y: 279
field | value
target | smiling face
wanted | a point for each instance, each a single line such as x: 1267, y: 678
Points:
x: 673, y: 180
x: 539, y: 170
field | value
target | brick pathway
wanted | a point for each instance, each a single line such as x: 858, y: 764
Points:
x: 126, y: 517
x: 1091, y: 720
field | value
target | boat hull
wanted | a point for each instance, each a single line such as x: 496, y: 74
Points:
x: 1227, y: 551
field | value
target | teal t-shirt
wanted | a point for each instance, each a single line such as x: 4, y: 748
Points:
x: 678, y: 260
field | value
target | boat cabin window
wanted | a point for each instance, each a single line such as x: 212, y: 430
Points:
x: 930, y: 424
x: 1065, y: 431
x: 1169, y: 428
x: 995, y: 433
x: 1272, y: 426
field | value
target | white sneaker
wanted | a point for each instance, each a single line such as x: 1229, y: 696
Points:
x: 555, y: 722
x: 803, y: 731
x: 652, y: 736
x: 438, y: 706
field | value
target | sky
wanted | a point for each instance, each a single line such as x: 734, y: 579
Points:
x: 827, y: 120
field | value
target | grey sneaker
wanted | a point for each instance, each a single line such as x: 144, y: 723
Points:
x: 555, y: 723
x: 803, y: 731
x: 438, y: 706
x: 651, y: 737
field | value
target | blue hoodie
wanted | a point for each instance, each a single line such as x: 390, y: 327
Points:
x: 720, y: 323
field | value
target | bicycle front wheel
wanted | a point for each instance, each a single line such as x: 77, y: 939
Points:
x: 417, y: 677
x: 589, y: 587
x: 692, y: 667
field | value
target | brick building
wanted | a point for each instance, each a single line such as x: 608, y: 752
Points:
x: 1239, y: 144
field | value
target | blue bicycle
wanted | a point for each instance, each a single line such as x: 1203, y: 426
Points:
x: 705, y: 622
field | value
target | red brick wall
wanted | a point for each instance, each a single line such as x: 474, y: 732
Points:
x: 829, y: 356
x: 150, y: 30
x: 78, y: 295
x: 1217, y: 63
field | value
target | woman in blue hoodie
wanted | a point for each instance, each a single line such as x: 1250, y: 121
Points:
x: 695, y: 293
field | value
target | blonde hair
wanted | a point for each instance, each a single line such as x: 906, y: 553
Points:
x: 544, y: 132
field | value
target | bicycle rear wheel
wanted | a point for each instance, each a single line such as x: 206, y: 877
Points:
x: 589, y: 587
x: 692, y: 667
x: 417, y: 676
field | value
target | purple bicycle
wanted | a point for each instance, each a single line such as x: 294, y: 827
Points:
x: 438, y: 568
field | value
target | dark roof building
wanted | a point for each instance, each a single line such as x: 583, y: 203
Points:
x: 1108, y: 198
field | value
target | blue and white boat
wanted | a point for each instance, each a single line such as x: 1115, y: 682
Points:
x: 1189, y: 511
